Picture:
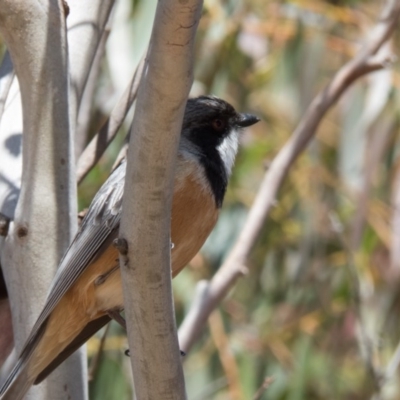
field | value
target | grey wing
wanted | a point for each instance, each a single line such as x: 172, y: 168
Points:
x: 101, y: 221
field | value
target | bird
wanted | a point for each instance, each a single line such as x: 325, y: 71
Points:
x: 86, y: 292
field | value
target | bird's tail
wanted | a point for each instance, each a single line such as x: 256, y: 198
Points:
x: 19, y: 379
x: 41, y: 356
x: 17, y: 383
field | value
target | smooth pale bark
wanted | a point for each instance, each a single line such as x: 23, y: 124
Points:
x: 146, y: 215
x: 45, y: 217
x: 10, y: 180
x: 85, y: 24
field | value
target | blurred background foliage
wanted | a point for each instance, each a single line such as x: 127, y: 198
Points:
x: 317, y: 317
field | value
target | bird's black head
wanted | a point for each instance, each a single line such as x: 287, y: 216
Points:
x: 209, y: 120
x: 211, y: 127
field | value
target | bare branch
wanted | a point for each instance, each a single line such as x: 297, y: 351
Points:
x: 108, y: 131
x: 146, y: 276
x: 232, y: 268
x: 265, y: 385
x: 85, y: 109
x: 86, y: 23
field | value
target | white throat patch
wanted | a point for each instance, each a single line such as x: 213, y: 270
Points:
x: 228, y: 149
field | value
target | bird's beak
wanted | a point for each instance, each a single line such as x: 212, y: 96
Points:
x: 246, y: 120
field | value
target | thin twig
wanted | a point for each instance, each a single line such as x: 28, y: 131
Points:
x: 95, y: 149
x: 265, y: 385
x: 233, y: 267
x: 85, y: 108
x: 123, y: 151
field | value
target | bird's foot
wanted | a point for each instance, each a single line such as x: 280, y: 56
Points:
x: 116, y: 316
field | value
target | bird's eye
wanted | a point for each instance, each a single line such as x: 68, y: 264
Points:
x: 218, y: 124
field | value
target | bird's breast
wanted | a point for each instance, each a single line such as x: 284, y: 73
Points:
x: 194, y: 215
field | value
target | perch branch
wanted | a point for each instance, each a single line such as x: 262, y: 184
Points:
x: 146, y: 273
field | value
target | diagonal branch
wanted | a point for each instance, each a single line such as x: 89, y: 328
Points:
x: 85, y: 110
x: 95, y: 149
x: 368, y: 60
x: 86, y: 24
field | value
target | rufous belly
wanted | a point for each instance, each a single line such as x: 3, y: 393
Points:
x: 99, y: 288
